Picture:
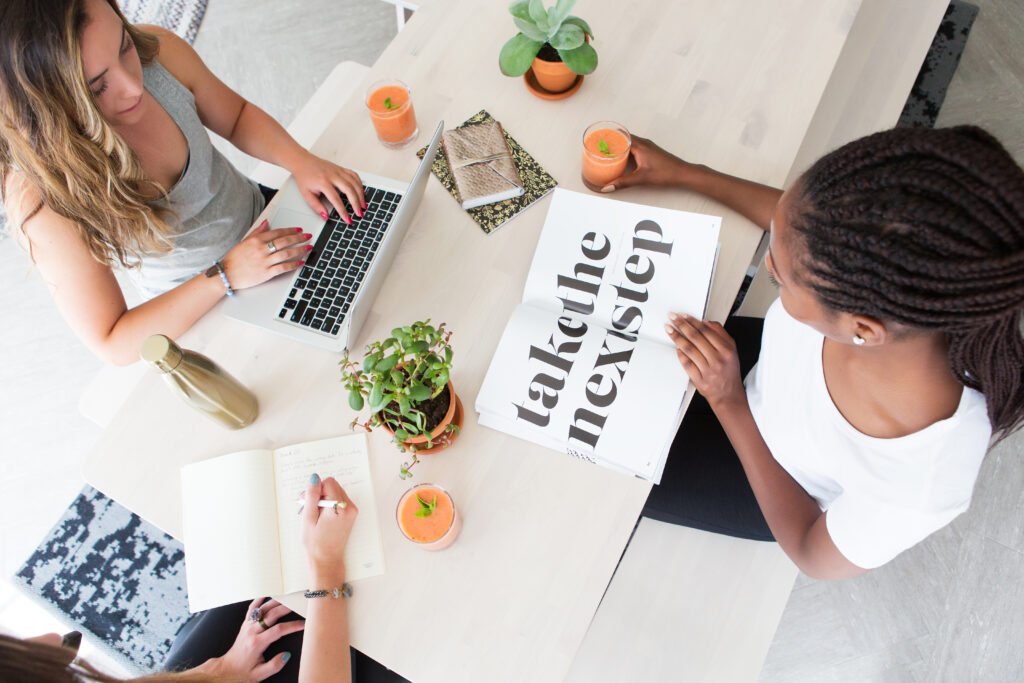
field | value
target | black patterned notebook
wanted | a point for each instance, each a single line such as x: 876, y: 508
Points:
x: 536, y: 182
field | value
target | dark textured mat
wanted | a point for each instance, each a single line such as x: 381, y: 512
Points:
x: 113, y: 576
x: 929, y: 91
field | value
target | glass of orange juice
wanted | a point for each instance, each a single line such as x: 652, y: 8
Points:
x: 427, y: 516
x: 605, y: 153
x: 390, y: 105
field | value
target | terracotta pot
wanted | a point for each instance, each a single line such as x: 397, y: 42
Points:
x: 438, y: 437
x: 553, y: 76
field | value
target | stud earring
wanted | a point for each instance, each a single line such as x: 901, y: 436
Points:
x: 858, y: 340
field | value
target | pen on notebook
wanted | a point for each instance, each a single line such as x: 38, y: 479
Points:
x: 324, y: 504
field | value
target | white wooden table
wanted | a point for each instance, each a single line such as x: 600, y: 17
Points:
x: 729, y: 83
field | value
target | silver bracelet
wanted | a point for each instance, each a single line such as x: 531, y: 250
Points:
x: 344, y: 592
x: 218, y: 269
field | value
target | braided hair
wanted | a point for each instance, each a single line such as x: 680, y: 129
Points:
x: 925, y: 228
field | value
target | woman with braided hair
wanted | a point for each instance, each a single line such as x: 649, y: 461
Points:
x: 891, y: 358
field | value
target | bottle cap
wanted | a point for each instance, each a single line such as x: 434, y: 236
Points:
x: 161, y: 352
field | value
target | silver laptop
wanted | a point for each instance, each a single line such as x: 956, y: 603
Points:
x: 325, y: 302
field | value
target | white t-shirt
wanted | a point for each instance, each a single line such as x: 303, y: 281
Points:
x: 882, y: 495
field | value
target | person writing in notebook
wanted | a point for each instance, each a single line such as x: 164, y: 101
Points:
x: 106, y: 162
x: 272, y: 644
x: 892, y: 355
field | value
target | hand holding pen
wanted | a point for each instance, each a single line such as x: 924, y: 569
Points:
x: 325, y: 534
x: 324, y: 504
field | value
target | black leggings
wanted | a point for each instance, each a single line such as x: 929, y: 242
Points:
x: 704, y: 486
x: 211, y: 633
x: 267, y: 192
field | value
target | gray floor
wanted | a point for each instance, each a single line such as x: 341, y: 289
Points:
x: 277, y: 53
x: 951, y: 609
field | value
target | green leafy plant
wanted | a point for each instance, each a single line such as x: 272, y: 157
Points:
x: 555, y: 27
x: 388, y: 105
x: 603, y: 147
x: 397, y: 377
x: 426, y: 509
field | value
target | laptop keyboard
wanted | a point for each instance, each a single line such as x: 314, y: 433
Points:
x: 324, y: 289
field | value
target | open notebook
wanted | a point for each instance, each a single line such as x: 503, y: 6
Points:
x: 241, y: 523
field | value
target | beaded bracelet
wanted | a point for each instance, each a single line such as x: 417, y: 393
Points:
x: 344, y: 592
x: 218, y: 269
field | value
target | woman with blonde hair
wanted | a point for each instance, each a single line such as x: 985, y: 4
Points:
x: 105, y: 162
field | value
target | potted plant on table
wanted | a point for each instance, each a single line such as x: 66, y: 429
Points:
x: 405, y: 382
x: 551, y: 42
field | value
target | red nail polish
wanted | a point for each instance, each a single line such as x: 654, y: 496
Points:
x: 306, y: 235
x: 348, y: 220
x: 323, y: 214
x: 309, y: 247
x: 298, y: 229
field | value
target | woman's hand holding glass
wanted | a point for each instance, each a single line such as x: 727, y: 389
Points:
x: 654, y: 167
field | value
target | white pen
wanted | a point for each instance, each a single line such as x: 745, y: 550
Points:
x: 334, y: 504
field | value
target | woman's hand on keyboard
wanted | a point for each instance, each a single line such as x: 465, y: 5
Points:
x: 319, y: 179
x: 264, y: 254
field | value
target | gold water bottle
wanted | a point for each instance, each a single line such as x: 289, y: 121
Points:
x: 201, y: 383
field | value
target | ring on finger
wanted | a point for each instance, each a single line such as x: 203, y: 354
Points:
x: 271, y: 247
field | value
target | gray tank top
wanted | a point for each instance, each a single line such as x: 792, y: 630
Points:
x: 213, y: 204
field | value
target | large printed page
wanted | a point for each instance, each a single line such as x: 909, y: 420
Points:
x: 230, y: 529
x: 344, y: 458
x: 621, y: 265
x: 581, y: 389
x: 584, y: 365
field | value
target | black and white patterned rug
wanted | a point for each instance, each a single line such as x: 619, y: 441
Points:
x: 113, y: 576
x: 929, y: 91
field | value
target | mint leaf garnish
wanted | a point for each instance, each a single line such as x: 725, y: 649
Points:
x: 426, y: 509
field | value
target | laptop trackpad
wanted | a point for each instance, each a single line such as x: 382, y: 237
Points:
x: 308, y: 221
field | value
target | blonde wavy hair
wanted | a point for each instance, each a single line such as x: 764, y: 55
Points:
x: 52, y: 133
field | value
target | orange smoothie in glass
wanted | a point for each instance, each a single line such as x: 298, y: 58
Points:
x: 392, y: 114
x: 605, y: 153
x: 427, y: 517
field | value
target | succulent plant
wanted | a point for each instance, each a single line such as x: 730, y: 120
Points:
x: 555, y: 27
x: 396, y: 377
